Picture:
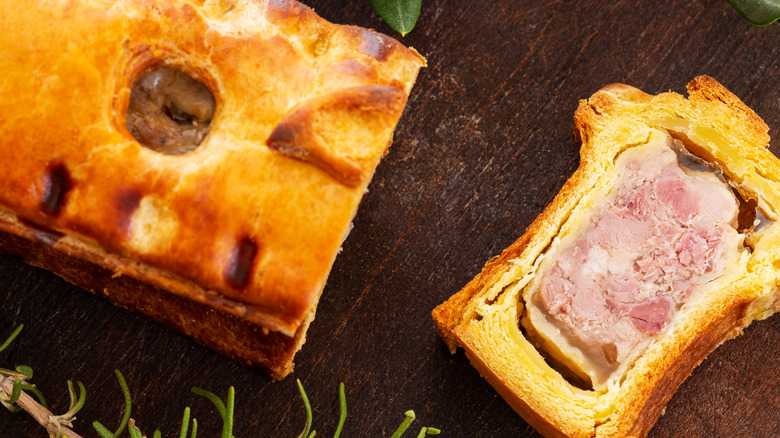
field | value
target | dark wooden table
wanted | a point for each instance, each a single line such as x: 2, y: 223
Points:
x: 484, y: 145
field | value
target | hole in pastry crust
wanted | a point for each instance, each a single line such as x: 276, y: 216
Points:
x: 241, y: 266
x: 58, y: 183
x: 746, y: 220
x: 169, y: 111
x: 750, y: 218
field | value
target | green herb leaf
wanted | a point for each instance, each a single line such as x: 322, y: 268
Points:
x: 404, y: 425
x: 226, y: 409
x: 342, y: 410
x: 102, y: 430
x: 185, y: 423
x: 128, y: 402
x: 134, y: 431
x: 428, y: 431
x: 213, y: 398
x: 227, y: 425
x: 76, y: 403
x: 226, y: 412
x: 401, y: 15
x: 307, y: 406
x: 37, y: 393
x: 25, y: 370
x: 15, y: 393
x: 758, y: 12
x: 11, y: 338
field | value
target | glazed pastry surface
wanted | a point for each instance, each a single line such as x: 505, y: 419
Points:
x: 256, y: 225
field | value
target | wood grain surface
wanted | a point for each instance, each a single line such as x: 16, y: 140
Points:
x: 483, y: 146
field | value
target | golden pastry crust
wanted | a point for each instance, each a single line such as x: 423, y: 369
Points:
x: 483, y: 317
x: 237, y: 224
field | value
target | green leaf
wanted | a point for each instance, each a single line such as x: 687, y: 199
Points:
x: 758, y: 12
x: 185, y: 423
x: 227, y: 425
x: 26, y: 370
x: 128, y: 403
x: 404, y: 425
x: 401, y: 15
x: 11, y: 337
x: 37, y: 393
x: 342, y: 410
x: 15, y: 393
x: 307, y: 406
x: 134, y: 431
x: 102, y: 430
x: 225, y: 411
x: 214, y: 399
x: 76, y: 403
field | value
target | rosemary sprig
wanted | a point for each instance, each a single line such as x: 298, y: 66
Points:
x: 14, y: 385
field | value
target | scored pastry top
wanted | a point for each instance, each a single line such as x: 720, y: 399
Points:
x: 255, y: 210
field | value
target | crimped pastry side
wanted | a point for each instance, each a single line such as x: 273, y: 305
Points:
x: 483, y: 317
x: 249, y: 222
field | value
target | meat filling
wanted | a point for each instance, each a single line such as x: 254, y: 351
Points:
x: 169, y: 111
x: 662, y: 233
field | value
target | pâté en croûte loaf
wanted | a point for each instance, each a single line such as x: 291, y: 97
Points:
x: 198, y: 162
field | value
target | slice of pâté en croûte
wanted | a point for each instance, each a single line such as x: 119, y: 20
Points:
x: 663, y: 244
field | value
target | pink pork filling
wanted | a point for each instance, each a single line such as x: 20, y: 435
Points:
x: 657, y: 239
